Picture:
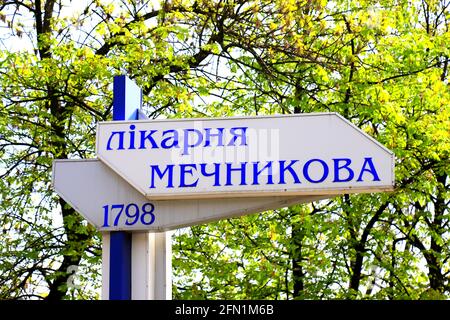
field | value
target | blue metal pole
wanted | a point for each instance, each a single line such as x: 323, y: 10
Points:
x: 120, y: 266
x: 127, y: 102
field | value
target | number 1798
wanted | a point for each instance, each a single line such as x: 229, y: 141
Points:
x: 133, y: 214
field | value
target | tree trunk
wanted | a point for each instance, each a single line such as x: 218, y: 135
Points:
x: 297, y: 269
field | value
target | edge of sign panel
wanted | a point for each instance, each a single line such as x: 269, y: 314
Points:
x: 62, y: 194
x: 232, y: 214
x: 222, y: 194
x: 330, y: 192
x: 373, y: 140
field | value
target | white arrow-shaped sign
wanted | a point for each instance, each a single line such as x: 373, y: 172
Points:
x: 307, y: 154
x: 110, y: 203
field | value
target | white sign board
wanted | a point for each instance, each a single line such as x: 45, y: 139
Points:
x: 305, y: 154
x: 110, y: 203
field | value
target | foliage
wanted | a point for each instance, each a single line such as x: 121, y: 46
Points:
x: 383, y: 65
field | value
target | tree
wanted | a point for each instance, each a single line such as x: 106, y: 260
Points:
x: 382, y: 65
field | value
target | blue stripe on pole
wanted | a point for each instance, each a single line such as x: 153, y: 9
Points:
x: 119, y: 98
x: 127, y: 101
x: 120, y: 266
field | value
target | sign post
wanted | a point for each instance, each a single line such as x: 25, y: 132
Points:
x: 155, y: 176
x: 126, y: 103
x: 132, y: 254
